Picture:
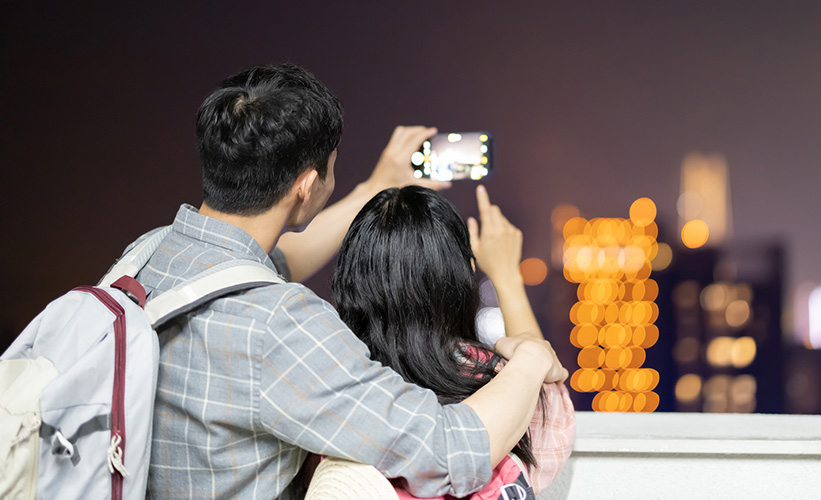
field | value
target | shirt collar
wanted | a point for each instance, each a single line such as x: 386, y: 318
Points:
x: 220, y: 233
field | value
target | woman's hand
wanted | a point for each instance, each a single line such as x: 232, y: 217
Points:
x: 497, y: 245
x: 541, y: 349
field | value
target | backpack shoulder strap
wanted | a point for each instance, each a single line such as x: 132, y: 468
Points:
x: 520, y: 464
x: 136, y: 258
x: 222, y: 279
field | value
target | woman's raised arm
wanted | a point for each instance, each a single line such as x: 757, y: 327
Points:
x: 497, y: 246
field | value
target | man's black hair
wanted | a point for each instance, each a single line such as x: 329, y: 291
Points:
x: 259, y: 131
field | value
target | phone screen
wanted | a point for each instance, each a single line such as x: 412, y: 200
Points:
x: 454, y: 156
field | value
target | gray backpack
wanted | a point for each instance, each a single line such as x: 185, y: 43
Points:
x: 77, y: 386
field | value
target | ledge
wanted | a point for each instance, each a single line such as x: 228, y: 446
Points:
x: 699, y: 433
x: 691, y: 455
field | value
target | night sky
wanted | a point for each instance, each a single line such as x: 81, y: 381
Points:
x: 591, y: 103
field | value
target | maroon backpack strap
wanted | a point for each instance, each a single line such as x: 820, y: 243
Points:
x: 131, y: 286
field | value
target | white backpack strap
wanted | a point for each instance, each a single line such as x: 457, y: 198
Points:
x: 217, y: 281
x: 521, y: 465
x: 136, y: 258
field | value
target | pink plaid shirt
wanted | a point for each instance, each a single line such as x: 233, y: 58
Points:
x: 551, y: 437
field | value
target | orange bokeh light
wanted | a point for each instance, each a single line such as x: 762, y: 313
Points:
x: 534, y: 271
x: 587, y: 380
x: 611, y: 379
x: 584, y: 336
x: 651, y: 230
x: 645, y: 402
x: 591, y: 357
x: 616, y: 335
x: 576, y: 225
x: 643, y: 212
x: 695, y: 233
x: 606, y: 401
x: 645, y: 336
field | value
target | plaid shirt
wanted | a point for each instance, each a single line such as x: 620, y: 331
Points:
x: 251, y: 382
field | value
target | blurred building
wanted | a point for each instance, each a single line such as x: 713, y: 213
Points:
x: 722, y: 307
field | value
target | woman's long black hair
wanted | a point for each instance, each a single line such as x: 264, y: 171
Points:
x: 404, y: 283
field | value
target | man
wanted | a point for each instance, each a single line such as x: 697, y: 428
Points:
x: 253, y: 382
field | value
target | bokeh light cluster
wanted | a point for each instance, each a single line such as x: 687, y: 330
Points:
x: 610, y: 259
x: 714, y: 326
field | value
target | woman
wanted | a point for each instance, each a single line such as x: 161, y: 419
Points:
x: 405, y: 284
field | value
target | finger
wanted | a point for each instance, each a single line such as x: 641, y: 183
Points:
x: 410, y: 139
x: 420, y: 135
x: 413, y: 136
x: 506, y: 346
x: 395, y: 136
x: 561, y: 375
x: 473, y: 230
x: 399, y: 138
x: 496, y: 212
x: 493, y: 219
x: 500, y: 220
x: 483, y: 200
x: 557, y: 372
x: 502, y: 217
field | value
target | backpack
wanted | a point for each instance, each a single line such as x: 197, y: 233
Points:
x: 78, y: 384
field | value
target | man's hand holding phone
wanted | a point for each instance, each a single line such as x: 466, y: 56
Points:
x: 393, y: 170
x: 454, y: 156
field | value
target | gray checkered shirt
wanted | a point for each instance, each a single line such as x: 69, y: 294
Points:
x: 251, y: 382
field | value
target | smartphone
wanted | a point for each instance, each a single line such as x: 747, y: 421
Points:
x: 454, y: 156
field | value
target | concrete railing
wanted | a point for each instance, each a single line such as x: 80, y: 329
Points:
x: 692, y: 455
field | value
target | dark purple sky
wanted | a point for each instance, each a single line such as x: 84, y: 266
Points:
x: 592, y: 103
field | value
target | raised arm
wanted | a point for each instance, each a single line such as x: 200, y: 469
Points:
x: 498, y: 251
x: 497, y: 247
x: 311, y: 249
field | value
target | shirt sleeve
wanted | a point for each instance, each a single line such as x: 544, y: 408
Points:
x: 320, y: 391
x: 552, y: 435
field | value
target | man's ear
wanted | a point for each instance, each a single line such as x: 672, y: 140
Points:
x: 303, y: 187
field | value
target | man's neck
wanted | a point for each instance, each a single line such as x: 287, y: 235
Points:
x: 265, y: 228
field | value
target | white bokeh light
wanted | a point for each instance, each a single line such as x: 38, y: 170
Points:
x: 490, y: 325
x: 815, y: 318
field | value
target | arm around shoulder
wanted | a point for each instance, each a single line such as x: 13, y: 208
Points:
x: 320, y: 391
